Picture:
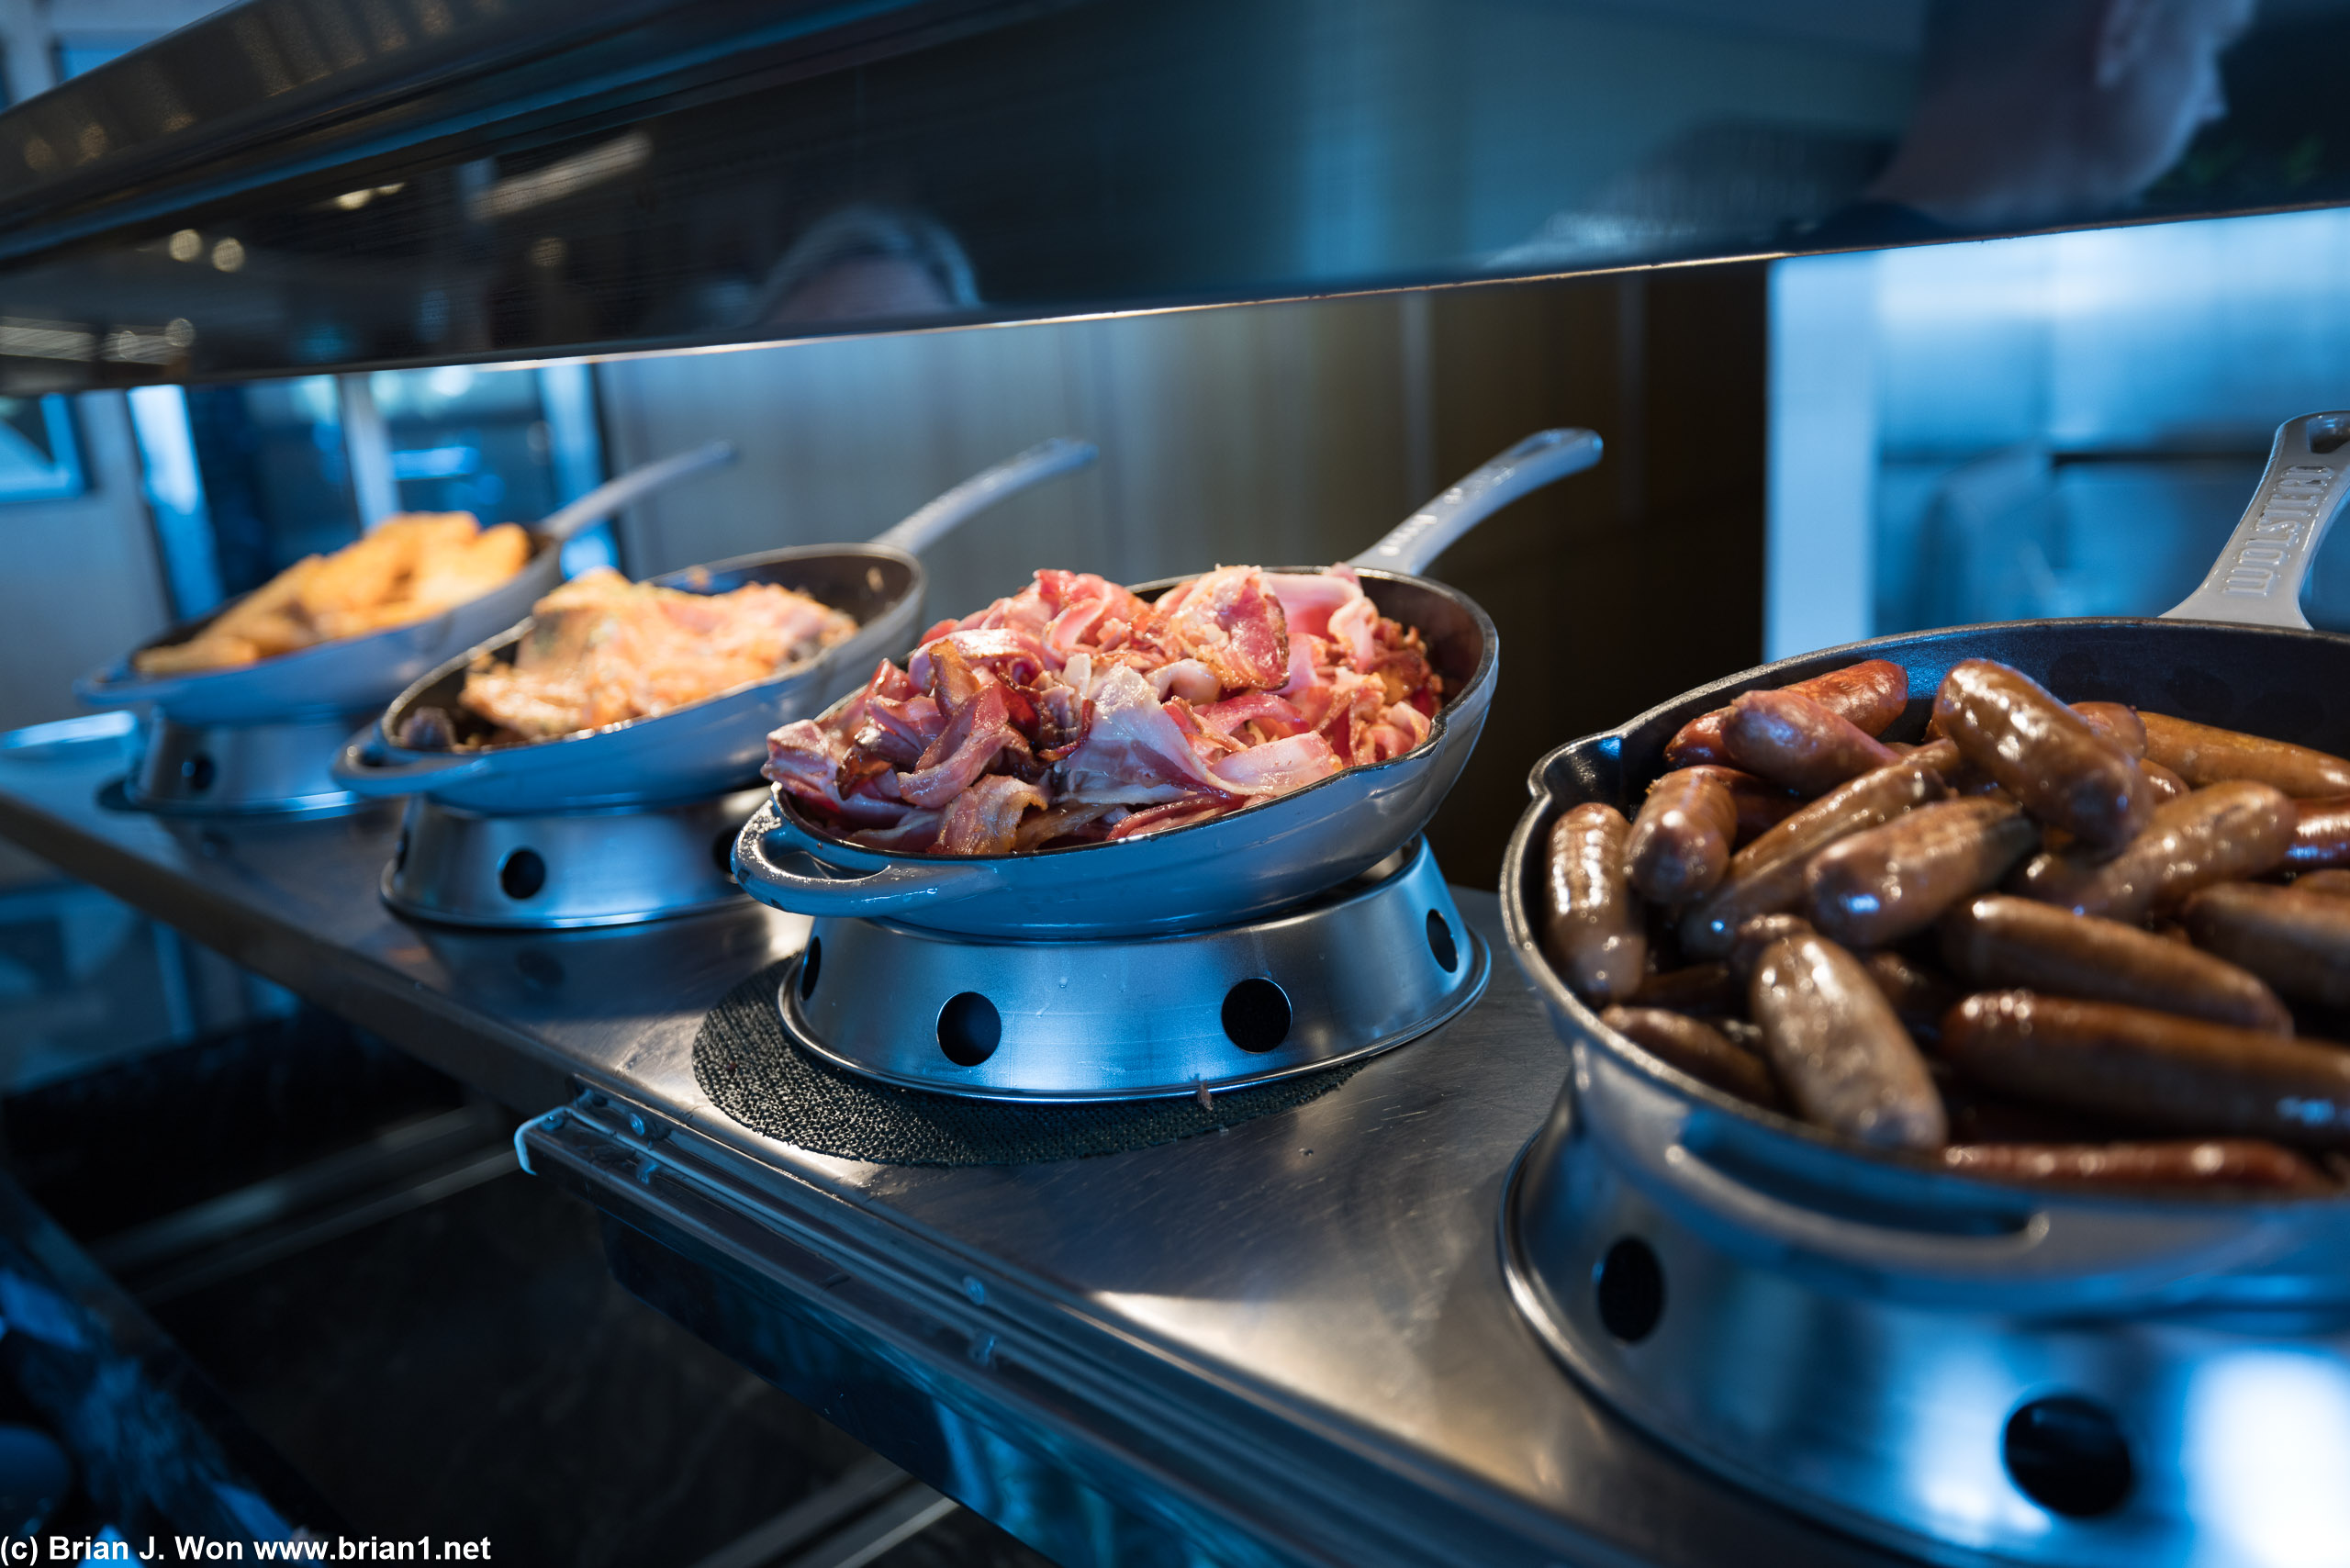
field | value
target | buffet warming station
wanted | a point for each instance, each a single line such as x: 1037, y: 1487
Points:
x: 1295, y: 1308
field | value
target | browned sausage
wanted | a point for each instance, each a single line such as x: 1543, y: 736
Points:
x: 2154, y: 1068
x: 1680, y: 843
x: 2215, y: 834
x: 1698, y: 1049
x: 1761, y: 806
x: 1747, y: 948
x: 1697, y: 988
x: 2167, y: 785
x: 2117, y: 723
x: 1841, y: 1055
x: 2297, y: 940
x: 2047, y: 756
x: 1886, y: 883
x: 1920, y: 995
x: 2198, y: 1163
x: 1941, y: 755
x: 2320, y: 834
x: 1766, y: 877
x: 1870, y: 694
x: 1793, y: 740
x: 1996, y: 942
x: 1591, y: 919
x: 2333, y: 884
x: 1978, y: 1114
x: 2202, y: 755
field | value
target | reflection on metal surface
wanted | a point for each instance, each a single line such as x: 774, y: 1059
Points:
x: 1367, y: 965
x: 1377, y: 1403
x: 550, y: 872
x: 539, y: 178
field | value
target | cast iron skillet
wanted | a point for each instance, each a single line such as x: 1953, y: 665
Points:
x: 717, y: 744
x: 353, y: 673
x: 2236, y: 652
x: 1229, y: 868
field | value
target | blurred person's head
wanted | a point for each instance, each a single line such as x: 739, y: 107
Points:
x: 867, y: 261
x: 2033, y: 111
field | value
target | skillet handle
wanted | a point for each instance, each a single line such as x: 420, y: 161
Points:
x: 2257, y: 579
x: 903, y: 889
x: 360, y: 767
x: 630, y: 488
x: 1533, y: 463
x: 932, y: 521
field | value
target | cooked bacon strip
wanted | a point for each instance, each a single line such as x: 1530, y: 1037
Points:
x: 979, y: 730
x: 1229, y: 622
x: 1134, y: 753
x: 1278, y: 767
x: 985, y: 818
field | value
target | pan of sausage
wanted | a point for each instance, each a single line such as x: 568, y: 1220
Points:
x: 2056, y: 906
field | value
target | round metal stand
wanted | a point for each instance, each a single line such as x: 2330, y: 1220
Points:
x: 616, y: 867
x: 2189, y: 1426
x: 275, y: 769
x: 1369, y: 965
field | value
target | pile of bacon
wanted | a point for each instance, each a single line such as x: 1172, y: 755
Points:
x: 1075, y: 712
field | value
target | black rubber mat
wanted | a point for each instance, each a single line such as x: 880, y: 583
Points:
x: 753, y: 1071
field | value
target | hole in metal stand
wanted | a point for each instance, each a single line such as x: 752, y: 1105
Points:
x: 2068, y: 1456
x: 197, y: 773
x: 1629, y: 1283
x: 399, y: 853
x: 521, y: 873
x: 2328, y: 432
x: 722, y: 850
x: 1440, y: 943
x: 809, y: 963
x: 1256, y: 1014
x: 969, y: 1028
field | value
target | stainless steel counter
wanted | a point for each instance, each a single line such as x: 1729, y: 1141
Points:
x: 1289, y: 1341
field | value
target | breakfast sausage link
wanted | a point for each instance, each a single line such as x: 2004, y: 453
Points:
x: 2215, y: 834
x: 1695, y: 988
x: 2196, y: 1162
x: 1591, y: 919
x: 1840, y: 1054
x: 2320, y: 834
x: 2154, y: 1069
x: 1870, y: 694
x: 1920, y: 995
x: 2062, y: 770
x: 2202, y: 755
x: 2117, y: 722
x: 2332, y: 883
x: 1998, y: 942
x: 2296, y: 939
x: 1766, y: 877
x: 1888, y: 882
x: 1762, y: 806
x: 1680, y: 843
x: 2167, y: 785
x: 1757, y: 935
x: 1697, y: 1048
x: 1791, y: 740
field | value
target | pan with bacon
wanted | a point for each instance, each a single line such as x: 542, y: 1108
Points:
x: 1096, y: 761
